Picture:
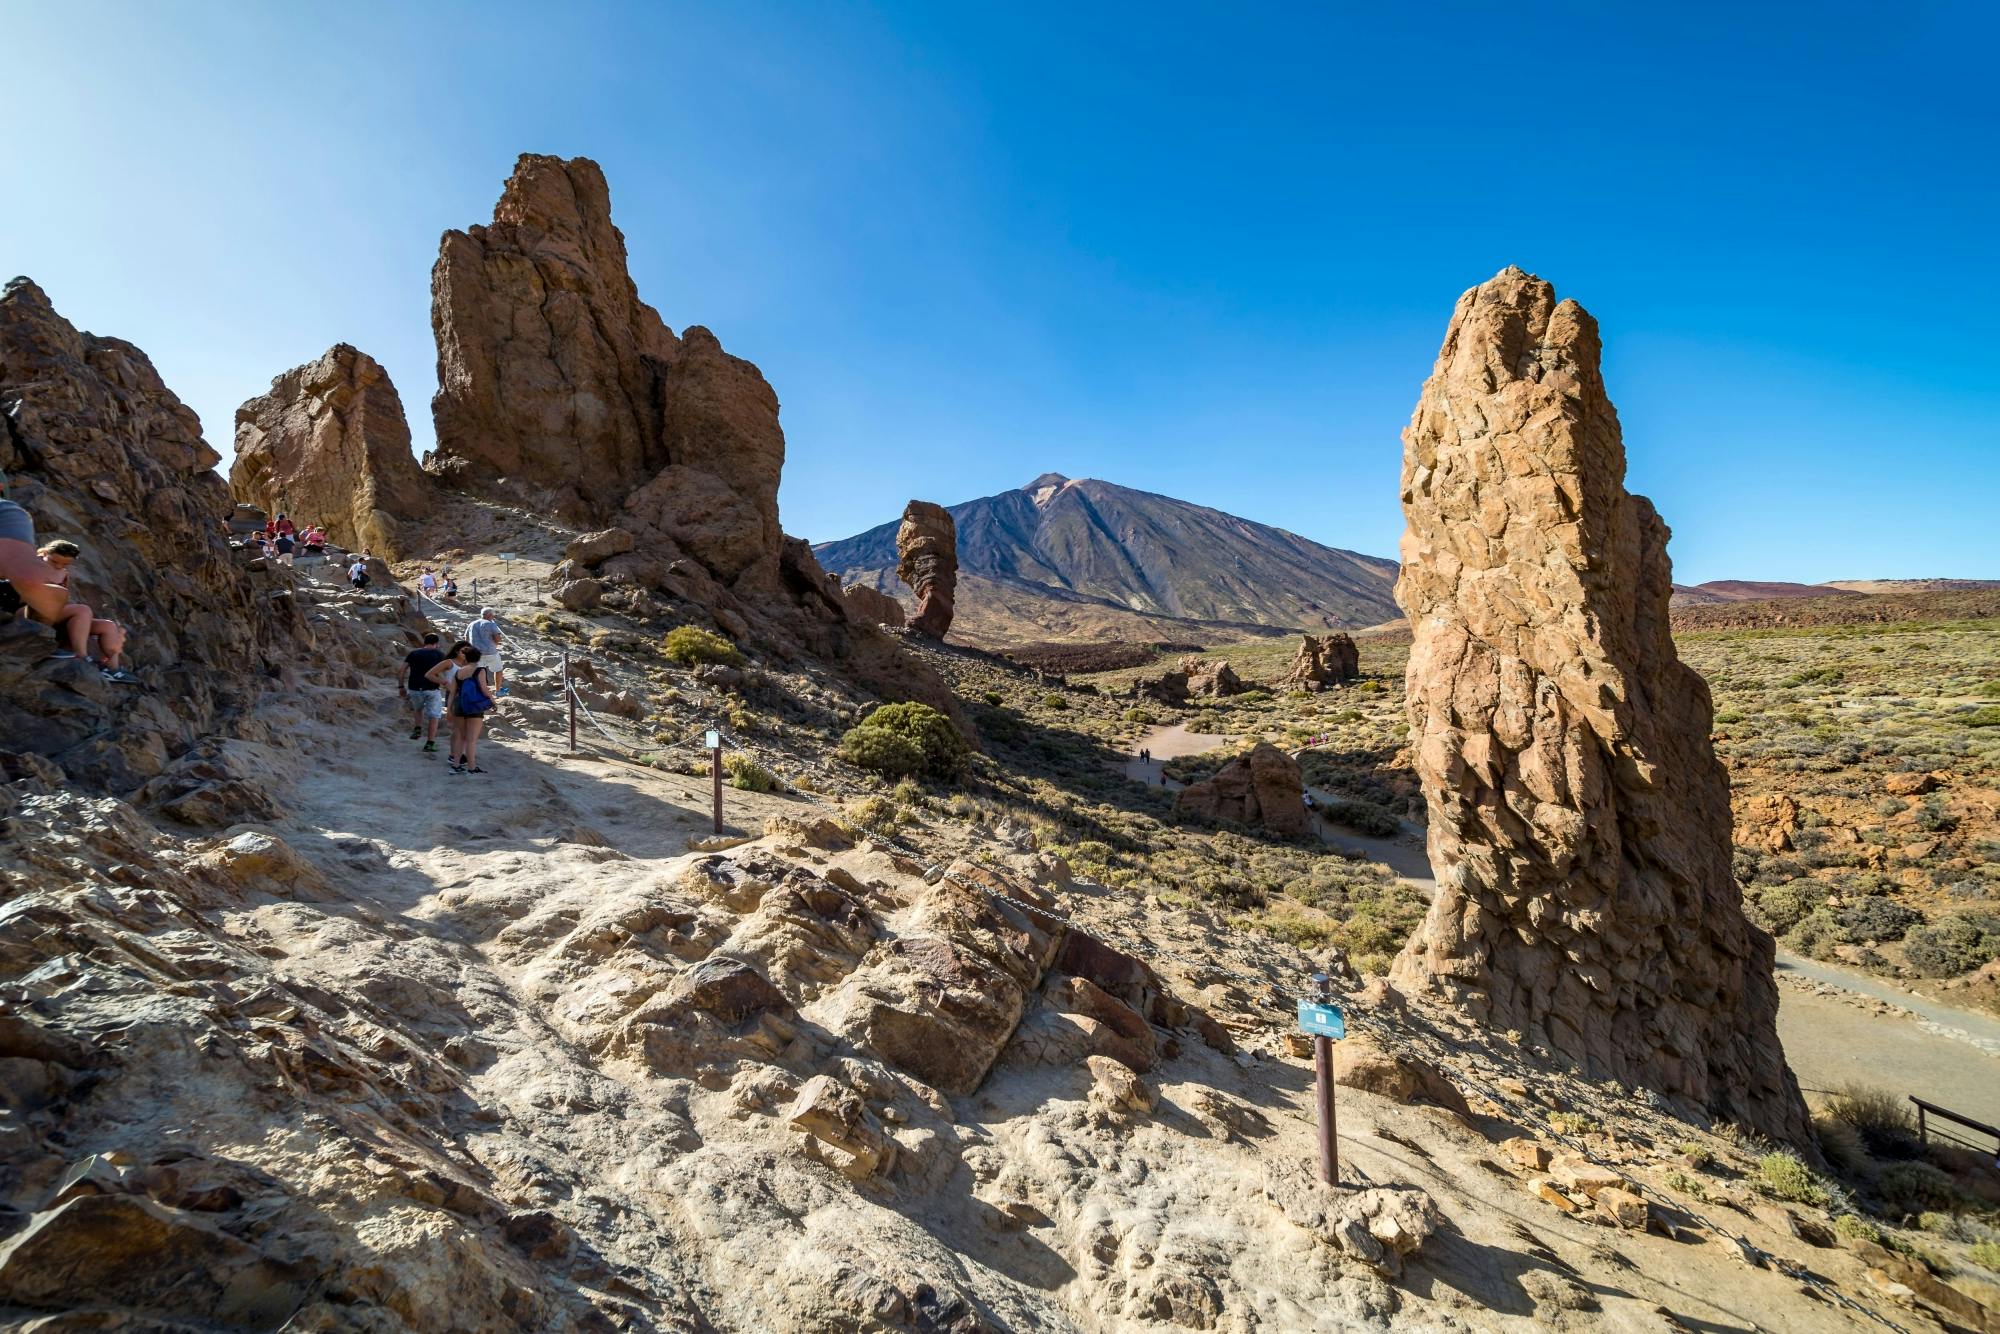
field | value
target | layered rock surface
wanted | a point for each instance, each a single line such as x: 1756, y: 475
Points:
x: 1322, y: 660
x: 102, y: 453
x: 927, y: 561
x: 1262, y: 790
x: 1579, y: 820
x: 329, y: 444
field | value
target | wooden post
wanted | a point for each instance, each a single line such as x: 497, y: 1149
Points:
x: 715, y: 772
x: 1329, y: 1154
x: 569, y: 693
x: 1923, y: 1132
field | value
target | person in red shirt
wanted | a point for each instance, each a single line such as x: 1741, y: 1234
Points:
x: 286, y: 528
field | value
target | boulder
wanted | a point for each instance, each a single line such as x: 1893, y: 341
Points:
x: 579, y: 594
x: 1579, y: 819
x: 1263, y: 790
x: 1213, y: 679
x: 927, y: 560
x: 834, y: 1115
x: 1360, y: 1062
x: 591, y: 550
x: 873, y: 605
x: 1322, y: 660
x: 329, y: 444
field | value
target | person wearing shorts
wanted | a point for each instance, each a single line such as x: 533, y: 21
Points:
x: 423, y: 696
x: 484, y: 635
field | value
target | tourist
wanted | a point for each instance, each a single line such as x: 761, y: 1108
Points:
x: 450, y: 587
x: 472, y: 690
x: 30, y: 581
x: 284, y: 546
x: 315, y: 541
x: 285, y: 527
x: 110, y: 635
x: 423, y: 696
x: 357, y: 573
x: 484, y: 635
x: 428, y: 582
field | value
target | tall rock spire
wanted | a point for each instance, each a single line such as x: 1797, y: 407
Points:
x: 1579, y: 820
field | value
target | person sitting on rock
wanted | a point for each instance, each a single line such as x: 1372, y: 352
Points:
x: 357, y: 573
x: 110, y: 635
x: 315, y: 541
x: 31, y: 583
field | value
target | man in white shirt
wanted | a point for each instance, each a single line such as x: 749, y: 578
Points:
x: 484, y: 635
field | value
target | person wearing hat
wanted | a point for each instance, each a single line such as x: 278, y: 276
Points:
x: 484, y: 635
x: 32, y: 582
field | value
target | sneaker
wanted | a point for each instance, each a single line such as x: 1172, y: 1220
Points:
x: 457, y: 768
x: 62, y: 653
x: 119, y: 676
x: 503, y: 691
x: 416, y: 732
x: 430, y: 746
x: 475, y: 769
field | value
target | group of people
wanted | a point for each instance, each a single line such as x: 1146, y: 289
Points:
x: 439, y: 584
x: 462, y: 683
x: 282, y: 541
x: 34, y: 582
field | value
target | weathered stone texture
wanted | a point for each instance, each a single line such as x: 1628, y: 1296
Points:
x: 1263, y: 790
x: 1579, y: 820
x: 1322, y: 660
x: 927, y: 560
x: 329, y: 444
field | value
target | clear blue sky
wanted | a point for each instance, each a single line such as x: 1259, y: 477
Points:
x: 1207, y: 250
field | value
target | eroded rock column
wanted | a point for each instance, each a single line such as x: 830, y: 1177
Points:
x: 1579, y: 820
x: 927, y: 560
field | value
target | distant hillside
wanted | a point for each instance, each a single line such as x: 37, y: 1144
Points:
x: 1748, y: 590
x: 1067, y: 560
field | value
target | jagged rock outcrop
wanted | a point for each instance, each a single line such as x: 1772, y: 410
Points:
x: 101, y: 452
x: 927, y: 560
x: 872, y: 604
x: 1322, y: 660
x: 1262, y: 790
x: 1579, y: 820
x: 1212, y: 679
x: 329, y: 444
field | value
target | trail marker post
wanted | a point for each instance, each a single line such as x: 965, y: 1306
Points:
x: 1323, y: 1020
x: 714, y: 739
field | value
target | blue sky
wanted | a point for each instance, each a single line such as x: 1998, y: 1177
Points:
x: 1205, y: 250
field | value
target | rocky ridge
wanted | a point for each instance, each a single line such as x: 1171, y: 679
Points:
x: 329, y: 444
x: 1579, y: 820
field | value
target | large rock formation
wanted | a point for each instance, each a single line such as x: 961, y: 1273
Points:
x: 1263, y: 790
x: 329, y: 444
x: 1322, y: 660
x: 927, y: 560
x: 102, y: 453
x: 872, y: 604
x: 1579, y: 820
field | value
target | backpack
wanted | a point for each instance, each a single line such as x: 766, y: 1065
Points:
x: 472, y: 697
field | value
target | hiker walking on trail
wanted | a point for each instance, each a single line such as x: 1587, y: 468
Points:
x: 423, y: 696
x: 484, y: 635
x: 428, y: 582
x: 472, y: 700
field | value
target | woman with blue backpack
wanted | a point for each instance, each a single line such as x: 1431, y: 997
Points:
x: 470, y: 692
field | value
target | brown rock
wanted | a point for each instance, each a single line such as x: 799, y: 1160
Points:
x: 927, y: 560
x: 1773, y: 818
x: 1117, y: 1091
x: 1550, y: 1193
x: 1322, y: 660
x: 1909, y: 785
x: 591, y: 550
x: 328, y: 444
x: 1127, y: 1037
x: 832, y: 1113
x: 1526, y: 1153
x: 1621, y: 1207
x: 1263, y: 789
x: 1214, y: 679
x: 101, y: 452
x: 1579, y: 821
x: 1360, y: 1062
x: 873, y: 605
x: 1583, y: 1176
x: 579, y: 594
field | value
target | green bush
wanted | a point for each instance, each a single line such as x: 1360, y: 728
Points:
x: 1933, y: 818
x: 1989, y: 689
x: 993, y: 697
x: 1953, y: 945
x: 690, y: 645
x: 1786, y: 1177
x: 1782, y: 907
x: 1986, y: 717
x: 1879, y: 1117
x: 1875, y: 917
x: 747, y: 774
x: 1364, y: 817
x: 1856, y: 1227
x: 1139, y: 716
x: 1913, y: 1187
x: 1054, y: 701
x: 907, y: 740
x: 1986, y: 1255
x: 878, y: 813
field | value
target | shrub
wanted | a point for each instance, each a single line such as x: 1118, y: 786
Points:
x: 875, y: 813
x: 905, y: 740
x: 1054, y: 701
x: 1986, y: 1255
x: 1786, y: 1177
x: 1874, y: 917
x: 1139, y: 716
x: 1933, y: 818
x: 1913, y: 1187
x: 1989, y: 689
x: 1879, y: 1117
x: 992, y: 697
x: 1986, y: 717
x: 1686, y: 1185
x: 1953, y: 945
x: 1364, y: 817
x: 690, y: 645
x: 1841, y: 1143
x: 1781, y: 907
x: 1857, y: 1228
x: 747, y: 774
x: 1574, y: 1123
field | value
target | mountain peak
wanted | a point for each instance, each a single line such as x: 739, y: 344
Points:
x: 1045, y: 482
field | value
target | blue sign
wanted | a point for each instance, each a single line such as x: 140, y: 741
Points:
x: 1322, y: 1021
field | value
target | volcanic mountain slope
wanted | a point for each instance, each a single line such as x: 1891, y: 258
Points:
x: 1063, y: 559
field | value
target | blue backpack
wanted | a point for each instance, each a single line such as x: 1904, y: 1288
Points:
x: 472, y: 697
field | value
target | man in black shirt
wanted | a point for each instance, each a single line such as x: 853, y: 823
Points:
x: 424, y: 699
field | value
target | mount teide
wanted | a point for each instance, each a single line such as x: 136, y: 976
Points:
x: 1063, y: 559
